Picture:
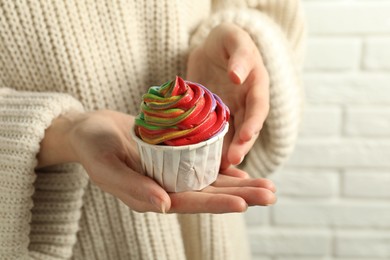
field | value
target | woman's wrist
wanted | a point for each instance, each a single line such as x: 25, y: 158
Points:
x: 55, y: 147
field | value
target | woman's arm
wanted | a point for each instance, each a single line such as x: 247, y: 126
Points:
x: 276, y: 28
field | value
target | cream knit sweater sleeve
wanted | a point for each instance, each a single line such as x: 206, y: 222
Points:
x: 49, y: 228
x: 279, y: 39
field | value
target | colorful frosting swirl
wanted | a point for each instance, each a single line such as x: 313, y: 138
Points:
x: 180, y: 113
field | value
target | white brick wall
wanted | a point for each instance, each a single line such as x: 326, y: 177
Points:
x: 334, y: 192
x: 377, y: 53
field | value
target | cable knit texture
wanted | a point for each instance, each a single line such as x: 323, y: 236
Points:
x: 57, y: 56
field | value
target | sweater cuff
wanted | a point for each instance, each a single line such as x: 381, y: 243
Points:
x: 25, y: 200
x: 279, y: 133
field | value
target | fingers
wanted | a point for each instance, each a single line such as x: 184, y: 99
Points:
x: 248, y: 122
x: 241, y: 53
x: 241, y: 59
x: 252, y: 195
x: 225, y: 163
x: 141, y: 206
x: 237, y: 71
x: 143, y: 194
x: 226, y: 195
x: 238, y: 148
x: 257, y: 191
x: 234, y: 172
x: 139, y: 192
x: 203, y: 202
x: 246, y: 69
x: 230, y: 181
x: 257, y: 104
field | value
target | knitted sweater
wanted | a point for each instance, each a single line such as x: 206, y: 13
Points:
x: 57, y: 56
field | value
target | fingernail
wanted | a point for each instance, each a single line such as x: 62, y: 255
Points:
x: 238, y: 71
x: 158, y: 203
x: 242, y: 158
x: 163, y: 210
x: 273, y: 203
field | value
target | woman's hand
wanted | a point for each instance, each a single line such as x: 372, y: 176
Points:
x: 101, y: 142
x: 230, y: 65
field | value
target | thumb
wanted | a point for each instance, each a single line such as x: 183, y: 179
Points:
x: 138, y: 191
x: 241, y: 60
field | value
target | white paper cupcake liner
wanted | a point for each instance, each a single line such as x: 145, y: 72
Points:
x: 182, y: 168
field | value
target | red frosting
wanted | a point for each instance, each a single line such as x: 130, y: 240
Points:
x: 180, y: 113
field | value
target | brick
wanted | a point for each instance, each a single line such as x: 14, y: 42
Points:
x: 363, y: 244
x: 306, y: 183
x: 354, y: 258
x: 279, y: 242
x: 321, y: 121
x: 341, y: 153
x: 368, y: 121
x: 303, y: 258
x: 324, y: 257
x: 377, y: 54
x: 337, y: 88
x: 366, y: 184
x: 327, y: 53
x: 257, y: 216
x: 261, y: 258
x: 332, y: 214
x: 348, y: 17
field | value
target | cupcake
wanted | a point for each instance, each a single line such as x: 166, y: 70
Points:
x: 179, y: 133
